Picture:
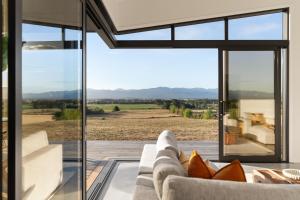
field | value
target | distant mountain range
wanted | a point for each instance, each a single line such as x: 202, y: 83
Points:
x: 151, y: 93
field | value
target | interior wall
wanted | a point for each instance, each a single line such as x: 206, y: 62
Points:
x: 294, y: 81
x: 156, y: 12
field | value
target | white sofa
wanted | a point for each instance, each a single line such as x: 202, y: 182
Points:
x: 259, y: 133
x: 42, y: 167
x: 161, y: 176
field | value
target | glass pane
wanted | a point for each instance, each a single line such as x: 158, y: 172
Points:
x: 161, y: 34
x: 72, y: 34
x: 3, y: 96
x: 205, y: 31
x: 52, y: 114
x: 263, y: 27
x: 31, y: 32
x: 249, y: 104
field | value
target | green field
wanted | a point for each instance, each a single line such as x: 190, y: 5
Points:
x: 26, y: 106
x: 124, y: 107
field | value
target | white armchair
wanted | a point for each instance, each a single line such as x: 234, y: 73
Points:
x: 42, y: 168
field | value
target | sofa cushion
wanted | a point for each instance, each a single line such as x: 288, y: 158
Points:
x: 232, y: 172
x: 142, y: 192
x: 179, y: 188
x: 162, y: 155
x: 147, y: 159
x: 145, y: 180
x: 34, y: 142
x: 184, y: 160
x: 163, y: 167
x: 167, y: 140
x: 168, y: 153
x: 197, y: 167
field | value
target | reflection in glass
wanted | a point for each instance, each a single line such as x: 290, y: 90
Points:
x: 284, y: 95
x: 205, y: 31
x: 3, y: 97
x: 249, y: 118
x: 262, y: 27
x: 31, y: 32
x: 52, y: 114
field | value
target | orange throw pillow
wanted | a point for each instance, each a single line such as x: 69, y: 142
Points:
x: 231, y: 172
x: 197, y: 167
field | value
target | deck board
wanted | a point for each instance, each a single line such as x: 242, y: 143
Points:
x: 100, y: 151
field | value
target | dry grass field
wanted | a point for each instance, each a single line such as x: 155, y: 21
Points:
x: 147, y: 124
x: 140, y: 124
x: 56, y: 130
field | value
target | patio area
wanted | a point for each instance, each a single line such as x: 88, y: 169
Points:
x: 101, y: 153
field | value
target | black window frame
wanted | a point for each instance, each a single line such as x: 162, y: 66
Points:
x: 101, y: 20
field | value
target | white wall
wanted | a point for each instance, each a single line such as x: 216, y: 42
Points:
x: 128, y: 14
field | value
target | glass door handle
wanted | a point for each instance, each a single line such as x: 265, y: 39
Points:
x: 221, y: 112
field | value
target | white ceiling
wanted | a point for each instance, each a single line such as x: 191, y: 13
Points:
x: 60, y: 12
x: 133, y: 14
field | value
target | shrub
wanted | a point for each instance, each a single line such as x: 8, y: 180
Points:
x: 116, y: 109
x: 187, y: 113
x: 166, y: 105
x: 67, y: 114
x: 179, y: 111
x: 208, y: 114
x: 94, y: 111
x: 172, y: 108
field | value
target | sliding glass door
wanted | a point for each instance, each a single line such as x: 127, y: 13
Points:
x: 52, y: 100
x: 250, y: 105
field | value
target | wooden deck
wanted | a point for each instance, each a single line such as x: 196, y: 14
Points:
x: 105, y: 150
x: 99, y: 152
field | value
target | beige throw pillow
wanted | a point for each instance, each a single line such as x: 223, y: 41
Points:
x: 184, y: 160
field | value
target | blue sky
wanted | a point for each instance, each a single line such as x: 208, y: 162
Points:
x: 56, y: 70
x: 148, y: 68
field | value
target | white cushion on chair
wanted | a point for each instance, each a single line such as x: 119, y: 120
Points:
x: 42, y: 172
x: 34, y: 142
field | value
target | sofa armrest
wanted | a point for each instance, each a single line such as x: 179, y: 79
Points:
x: 178, y: 188
x: 42, y: 171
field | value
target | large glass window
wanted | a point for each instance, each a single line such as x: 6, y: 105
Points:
x: 52, y: 105
x: 135, y: 94
x: 261, y: 27
x: 205, y: 31
x: 161, y: 34
x: 3, y: 97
